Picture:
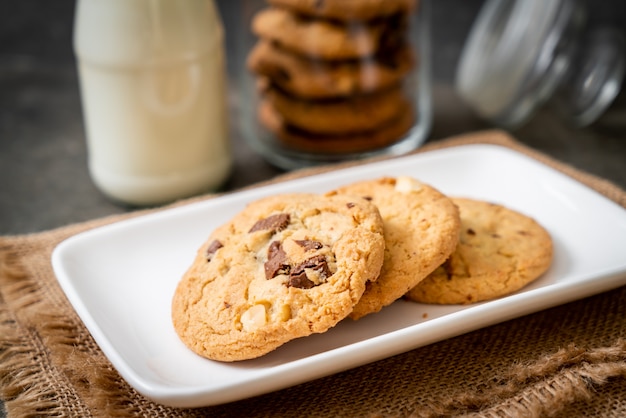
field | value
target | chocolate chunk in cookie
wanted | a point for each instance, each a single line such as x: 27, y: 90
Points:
x: 277, y: 262
x: 309, y: 245
x: 212, y: 249
x: 273, y: 223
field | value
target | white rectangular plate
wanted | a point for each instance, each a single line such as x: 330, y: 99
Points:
x: 120, y: 278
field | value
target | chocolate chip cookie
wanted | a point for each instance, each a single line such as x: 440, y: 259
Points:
x: 285, y: 267
x: 421, y: 231
x: 303, y: 140
x: 500, y: 251
x: 347, y: 9
x: 315, y: 79
x: 334, y: 117
x: 324, y: 39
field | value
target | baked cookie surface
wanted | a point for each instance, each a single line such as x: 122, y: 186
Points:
x: 421, y: 230
x: 499, y: 252
x: 354, y: 114
x: 315, y: 79
x: 285, y: 267
x: 347, y: 9
x: 323, y: 39
x: 303, y: 140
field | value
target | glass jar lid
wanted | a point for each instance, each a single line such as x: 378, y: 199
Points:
x: 520, y: 53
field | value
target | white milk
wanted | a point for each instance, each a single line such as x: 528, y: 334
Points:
x: 152, y: 78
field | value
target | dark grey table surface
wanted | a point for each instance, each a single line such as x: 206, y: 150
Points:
x: 44, y: 181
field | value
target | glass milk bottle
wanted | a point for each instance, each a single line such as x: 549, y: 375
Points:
x: 152, y: 79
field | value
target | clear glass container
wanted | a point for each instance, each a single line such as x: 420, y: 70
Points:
x: 322, y: 82
x: 523, y: 54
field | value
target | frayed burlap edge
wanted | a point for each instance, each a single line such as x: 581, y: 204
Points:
x: 23, y: 383
x: 40, y: 333
x: 543, y: 388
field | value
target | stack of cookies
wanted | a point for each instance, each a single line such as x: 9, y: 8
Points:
x: 331, y: 74
x: 291, y: 265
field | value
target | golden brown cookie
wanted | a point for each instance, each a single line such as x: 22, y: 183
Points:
x: 347, y: 9
x: 285, y: 267
x: 325, y: 39
x: 500, y: 251
x: 393, y: 131
x: 315, y: 79
x: 421, y: 231
x: 342, y: 116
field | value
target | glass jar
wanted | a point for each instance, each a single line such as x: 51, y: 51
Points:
x: 523, y: 54
x: 152, y: 80
x: 329, y: 81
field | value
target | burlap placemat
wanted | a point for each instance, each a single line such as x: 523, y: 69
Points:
x: 567, y: 361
